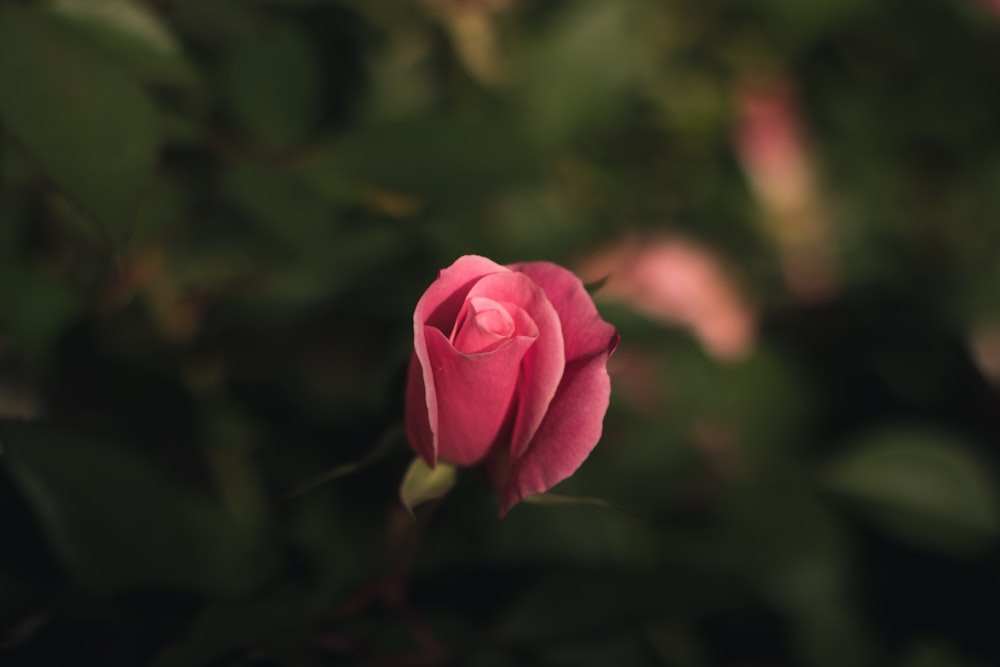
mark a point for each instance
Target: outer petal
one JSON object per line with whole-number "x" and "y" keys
{"x": 542, "y": 367}
{"x": 418, "y": 427}
{"x": 438, "y": 308}
{"x": 475, "y": 394}
{"x": 573, "y": 424}
{"x": 584, "y": 331}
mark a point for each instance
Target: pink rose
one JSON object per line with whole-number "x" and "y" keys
{"x": 508, "y": 370}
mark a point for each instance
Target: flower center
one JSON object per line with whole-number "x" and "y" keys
{"x": 491, "y": 317}
{"x": 482, "y": 325}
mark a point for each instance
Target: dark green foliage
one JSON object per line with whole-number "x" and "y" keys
{"x": 216, "y": 217}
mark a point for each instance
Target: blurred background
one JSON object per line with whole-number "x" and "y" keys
{"x": 216, "y": 217}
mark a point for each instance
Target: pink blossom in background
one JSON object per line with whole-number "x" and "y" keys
{"x": 770, "y": 142}
{"x": 769, "y": 138}
{"x": 680, "y": 282}
{"x": 508, "y": 371}
{"x": 984, "y": 345}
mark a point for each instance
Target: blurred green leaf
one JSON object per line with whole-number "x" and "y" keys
{"x": 575, "y": 605}
{"x": 34, "y": 308}
{"x": 439, "y": 157}
{"x": 923, "y": 487}
{"x": 556, "y": 499}
{"x": 805, "y": 22}
{"x": 119, "y": 524}
{"x": 386, "y": 444}
{"x": 928, "y": 653}
{"x": 322, "y": 159}
{"x": 273, "y": 83}
{"x": 674, "y": 644}
{"x": 581, "y": 534}
{"x": 792, "y": 547}
{"x": 580, "y": 69}
{"x": 134, "y": 33}
{"x": 88, "y": 124}
{"x": 319, "y": 273}
{"x": 314, "y": 530}
{"x": 421, "y": 483}
{"x": 220, "y": 633}
{"x": 280, "y": 202}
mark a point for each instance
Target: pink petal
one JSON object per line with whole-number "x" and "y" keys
{"x": 441, "y": 303}
{"x": 482, "y": 325}
{"x": 475, "y": 393}
{"x": 418, "y": 427}
{"x": 573, "y": 423}
{"x": 438, "y": 307}
{"x": 570, "y": 431}
{"x": 583, "y": 329}
{"x": 542, "y": 367}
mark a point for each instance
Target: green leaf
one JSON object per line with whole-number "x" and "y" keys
{"x": 380, "y": 450}
{"x": 278, "y": 201}
{"x": 434, "y": 156}
{"x": 273, "y": 83}
{"x": 87, "y": 123}
{"x": 421, "y": 483}
{"x": 922, "y": 487}
{"x": 556, "y": 499}
{"x": 790, "y": 546}
{"x": 930, "y": 653}
{"x": 219, "y": 633}
{"x": 131, "y": 31}
{"x": 119, "y": 524}
{"x": 34, "y": 308}
{"x": 579, "y": 70}
{"x": 576, "y": 604}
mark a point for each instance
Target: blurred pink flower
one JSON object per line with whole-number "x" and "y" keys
{"x": 771, "y": 145}
{"x": 984, "y": 344}
{"x": 679, "y": 282}
{"x": 769, "y": 138}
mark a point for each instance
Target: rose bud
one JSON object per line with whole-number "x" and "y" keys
{"x": 508, "y": 371}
